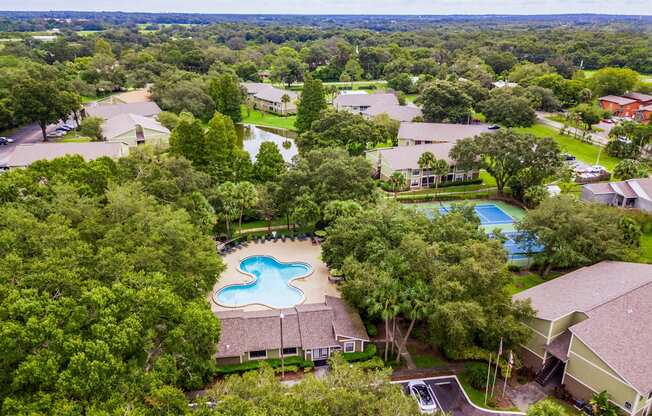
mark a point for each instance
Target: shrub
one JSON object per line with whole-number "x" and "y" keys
{"x": 371, "y": 328}
{"x": 375, "y": 363}
{"x": 290, "y": 362}
{"x": 91, "y": 127}
{"x": 476, "y": 374}
{"x": 368, "y": 353}
{"x": 514, "y": 268}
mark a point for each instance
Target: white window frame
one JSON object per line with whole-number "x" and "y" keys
{"x": 296, "y": 352}
{"x": 351, "y": 343}
{"x": 257, "y": 358}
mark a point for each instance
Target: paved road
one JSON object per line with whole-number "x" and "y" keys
{"x": 453, "y": 400}
{"x": 600, "y": 138}
{"x": 30, "y": 133}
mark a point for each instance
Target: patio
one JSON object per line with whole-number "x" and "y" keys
{"x": 315, "y": 287}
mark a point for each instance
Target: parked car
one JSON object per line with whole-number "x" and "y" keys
{"x": 6, "y": 140}
{"x": 494, "y": 127}
{"x": 55, "y": 134}
{"x": 608, "y": 121}
{"x": 423, "y": 395}
{"x": 568, "y": 157}
{"x": 64, "y": 128}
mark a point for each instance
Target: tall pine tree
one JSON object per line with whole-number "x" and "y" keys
{"x": 311, "y": 103}
{"x": 228, "y": 96}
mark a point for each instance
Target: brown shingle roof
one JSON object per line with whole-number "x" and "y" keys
{"x": 443, "y": 132}
{"x": 346, "y": 321}
{"x": 585, "y": 288}
{"x": 305, "y": 326}
{"x": 619, "y": 333}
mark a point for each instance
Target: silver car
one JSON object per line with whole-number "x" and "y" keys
{"x": 423, "y": 395}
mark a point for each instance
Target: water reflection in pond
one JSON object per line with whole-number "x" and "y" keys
{"x": 253, "y": 136}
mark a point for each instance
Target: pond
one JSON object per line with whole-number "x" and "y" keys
{"x": 253, "y": 136}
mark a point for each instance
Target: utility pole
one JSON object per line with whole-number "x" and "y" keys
{"x": 282, "y": 360}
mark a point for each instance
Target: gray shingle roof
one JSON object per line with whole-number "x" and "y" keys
{"x": 395, "y": 111}
{"x": 619, "y": 333}
{"x": 26, "y": 154}
{"x": 407, "y": 157}
{"x": 346, "y": 321}
{"x": 364, "y": 100}
{"x": 145, "y": 109}
{"x": 122, "y": 123}
{"x": 585, "y": 288}
{"x": 275, "y": 95}
{"x": 442, "y": 132}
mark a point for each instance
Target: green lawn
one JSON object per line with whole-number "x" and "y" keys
{"x": 584, "y": 152}
{"x": 475, "y": 395}
{"x": 259, "y": 118}
{"x": 645, "y": 250}
{"x": 523, "y": 282}
{"x": 425, "y": 361}
{"x": 261, "y": 224}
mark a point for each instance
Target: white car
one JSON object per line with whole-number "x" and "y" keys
{"x": 423, "y": 395}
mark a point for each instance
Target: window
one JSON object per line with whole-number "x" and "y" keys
{"x": 290, "y": 351}
{"x": 258, "y": 354}
{"x": 349, "y": 346}
{"x": 416, "y": 172}
{"x": 628, "y": 405}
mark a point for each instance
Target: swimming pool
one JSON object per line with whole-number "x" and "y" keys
{"x": 271, "y": 285}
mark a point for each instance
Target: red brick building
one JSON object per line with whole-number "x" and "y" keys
{"x": 644, "y": 114}
{"x": 619, "y": 106}
{"x": 643, "y": 99}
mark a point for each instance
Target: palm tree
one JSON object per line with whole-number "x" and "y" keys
{"x": 601, "y": 405}
{"x": 246, "y": 196}
{"x": 439, "y": 167}
{"x": 426, "y": 161}
{"x": 397, "y": 180}
{"x": 415, "y": 305}
{"x": 383, "y": 301}
{"x": 285, "y": 99}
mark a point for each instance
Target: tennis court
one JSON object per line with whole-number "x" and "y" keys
{"x": 489, "y": 214}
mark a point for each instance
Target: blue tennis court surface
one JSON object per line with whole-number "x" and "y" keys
{"x": 520, "y": 247}
{"x": 489, "y": 214}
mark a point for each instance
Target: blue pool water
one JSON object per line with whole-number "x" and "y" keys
{"x": 489, "y": 214}
{"x": 270, "y": 285}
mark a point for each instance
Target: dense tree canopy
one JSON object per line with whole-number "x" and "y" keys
{"x": 103, "y": 289}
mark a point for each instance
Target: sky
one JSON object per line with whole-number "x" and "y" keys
{"x": 632, "y": 7}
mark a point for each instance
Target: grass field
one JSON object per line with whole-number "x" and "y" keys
{"x": 523, "y": 282}
{"x": 425, "y": 360}
{"x": 590, "y": 72}
{"x": 584, "y": 152}
{"x": 645, "y": 250}
{"x": 259, "y": 118}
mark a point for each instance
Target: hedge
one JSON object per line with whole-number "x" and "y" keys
{"x": 444, "y": 197}
{"x": 352, "y": 357}
{"x": 290, "y": 362}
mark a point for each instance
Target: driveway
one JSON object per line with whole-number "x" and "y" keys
{"x": 453, "y": 399}
{"x": 30, "y": 133}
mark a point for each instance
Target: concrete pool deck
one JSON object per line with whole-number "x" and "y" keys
{"x": 315, "y": 287}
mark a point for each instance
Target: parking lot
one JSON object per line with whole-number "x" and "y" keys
{"x": 452, "y": 399}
